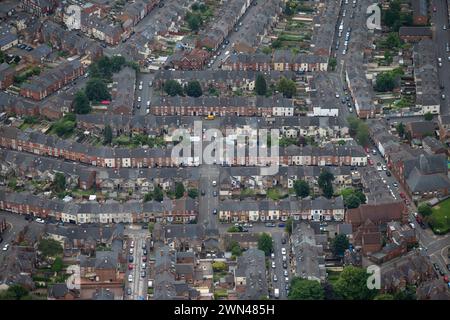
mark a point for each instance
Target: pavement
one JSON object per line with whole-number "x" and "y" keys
{"x": 277, "y": 236}
{"x": 441, "y": 37}
{"x": 208, "y": 202}
{"x": 235, "y": 35}
{"x": 139, "y": 284}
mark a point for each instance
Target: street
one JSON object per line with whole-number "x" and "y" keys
{"x": 208, "y": 202}
{"x": 279, "y": 271}
{"x": 439, "y": 19}
{"x": 146, "y": 94}
{"x": 138, "y": 284}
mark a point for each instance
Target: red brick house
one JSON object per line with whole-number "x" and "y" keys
{"x": 377, "y": 213}
{"x": 190, "y": 60}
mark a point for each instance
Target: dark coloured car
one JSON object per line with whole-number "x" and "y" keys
{"x": 130, "y": 259}
{"x": 129, "y": 291}
{"x": 144, "y": 252}
{"x": 283, "y": 240}
{"x": 203, "y": 192}
{"x": 284, "y": 265}
{"x": 388, "y": 173}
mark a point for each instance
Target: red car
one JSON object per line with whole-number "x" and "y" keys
{"x": 446, "y": 278}
{"x": 402, "y": 195}
{"x": 370, "y": 161}
{"x": 130, "y": 266}
{"x": 144, "y": 258}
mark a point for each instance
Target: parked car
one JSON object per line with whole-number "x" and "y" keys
{"x": 130, "y": 266}
{"x": 130, "y": 259}
{"x": 273, "y": 265}
{"x": 5, "y": 247}
{"x": 129, "y": 292}
{"x": 130, "y": 278}
{"x": 283, "y": 251}
{"x": 275, "y": 278}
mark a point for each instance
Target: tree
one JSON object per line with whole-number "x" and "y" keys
{"x": 57, "y": 265}
{"x": 107, "y": 134}
{"x": 194, "y": 89}
{"x": 179, "y": 190}
{"x": 233, "y": 229}
{"x": 289, "y": 225}
{"x": 287, "y": 87}
{"x": 428, "y": 116}
{"x": 193, "y": 193}
{"x": 116, "y": 63}
{"x": 301, "y": 188}
{"x": 96, "y": 90}
{"x": 151, "y": 227}
{"x": 194, "y": 20}
{"x": 353, "y": 124}
{"x": 401, "y": 129}
{"x": 425, "y": 209}
{"x": 236, "y": 250}
{"x": 260, "y": 85}
{"x": 50, "y": 247}
{"x": 265, "y": 243}
{"x": 384, "y": 296}
{"x": 219, "y": 266}
{"x": 408, "y": 293}
{"x": 386, "y": 81}
{"x": 339, "y": 244}
{"x": 332, "y": 63}
{"x": 59, "y": 183}
{"x": 14, "y": 292}
{"x": 362, "y": 135}
{"x": 173, "y": 88}
{"x": 81, "y": 103}
{"x": 158, "y": 194}
{"x": 148, "y": 197}
{"x": 352, "y": 201}
{"x": 276, "y": 44}
{"x": 302, "y": 289}
{"x": 352, "y": 285}
{"x": 325, "y": 183}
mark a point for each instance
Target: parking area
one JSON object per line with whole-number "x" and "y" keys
{"x": 143, "y": 93}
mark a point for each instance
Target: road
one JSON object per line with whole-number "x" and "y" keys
{"x": 145, "y": 94}
{"x": 279, "y": 271}
{"x": 208, "y": 202}
{"x": 235, "y": 35}
{"x": 441, "y": 37}
{"x": 139, "y": 284}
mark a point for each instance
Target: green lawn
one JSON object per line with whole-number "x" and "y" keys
{"x": 440, "y": 218}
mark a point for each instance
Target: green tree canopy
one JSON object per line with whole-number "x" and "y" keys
{"x": 425, "y": 209}
{"x": 260, "y": 85}
{"x": 179, "y": 190}
{"x": 332, "y": 63}
{"x": 81, "y": 103}
{"x": 15, "y": 292}
{"x": 194, "y": 89}
{"x": 50, "y": 247}
{"x": 193, "y": 193}
{"x": 96, "y": 90}
{"x": 325, "y": 183}
{"x": 287, "y": 87}
{"x": 401, "y": 129}
{"x": 265, "y": 243}
{"x": 384, "y": 296}
{"x": 219, "y": 266}
{"x": 151, "y": 226}
{"x": 352, "y": 285}
{"x": 289, "y": 225}
{"x": 302, "y": 289}
{"x": 57, "y": 265}
{"x": 158, "y": 194}
{"x": 173, "y": 88}
{"x": 339, "y": 244}
{"x": 59, "y": 184}
{"x": 301, "y": 188}
{"x": 107, "y": 134}
{"x": 428, "y": 116}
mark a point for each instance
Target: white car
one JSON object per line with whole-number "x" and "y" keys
{"x": 148, "y": 103}
{"x": 5, "y": 247}
{"x": 273, "y": 265}
{"x": 139, "y": 99}
{"x": 130, "y": 278}
{"x": 131, "y": 251}
{"x": 275, "y": 278}
{"x": 144, "y": 266}
{"x": 39, "y": 220}
{"x": 286, "y": 273}
{"x": 337, "y": 95}
{"x": 286, "y": 279}
{"x": 150, "y": 83}
{"x": 140, "y": 87}
{"x": 384, "y": 168}
{"x": 132, "y": 244}
{"x": 272, "y": 255}
{"x": 284, "y": 258}
{"x": 283, "y": 251}
{"x": 344, "y": 52}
